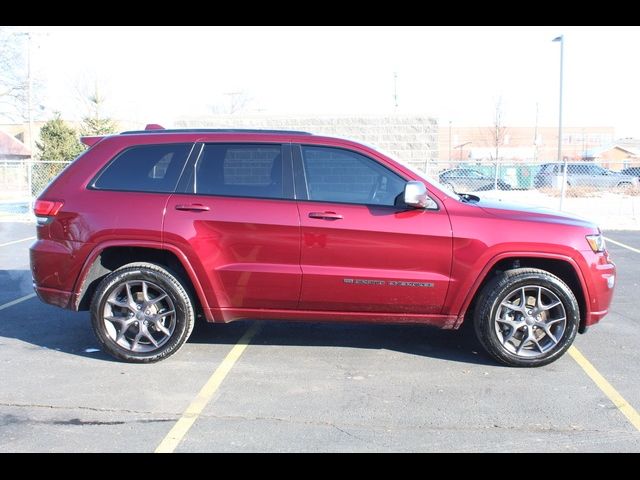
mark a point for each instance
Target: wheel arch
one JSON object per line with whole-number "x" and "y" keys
{"x": 109, "y": 256}
{"x": 561, "y": 266}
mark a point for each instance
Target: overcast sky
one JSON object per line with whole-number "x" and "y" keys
{"x": 456, "y": 74}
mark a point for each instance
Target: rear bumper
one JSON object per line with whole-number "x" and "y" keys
{"x": 54, "y": 269}
{"x": 59, "y": 298}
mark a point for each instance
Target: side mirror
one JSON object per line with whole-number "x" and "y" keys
{"x": 415, "y": 195}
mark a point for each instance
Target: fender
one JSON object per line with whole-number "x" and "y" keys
{"x": 501, "y": 256}
{"x": 182, "y": 258}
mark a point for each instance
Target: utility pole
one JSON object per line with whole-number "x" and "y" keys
{"x": 395, "y": 89}
{"x": 449, "y": 141}
{"x": 29, "y": 118}
{"x": 535, "y": 137}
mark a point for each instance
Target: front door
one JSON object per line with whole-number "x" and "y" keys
{"x": 238, "y": 222}
{"x": 360, "y": 252}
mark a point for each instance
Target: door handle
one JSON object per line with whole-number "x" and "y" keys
{"x": 193, "y": 207}
{"x": 326, "y": 215}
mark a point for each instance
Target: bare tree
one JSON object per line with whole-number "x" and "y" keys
{"x": 237, "y": 102}
{"x": 20, "y": 86}
{"x": 497, "y": 134}
{"x": 96, "y": 122}
{"x": 13, "y": 74}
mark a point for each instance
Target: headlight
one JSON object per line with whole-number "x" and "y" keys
{"x": 596, "y": 242}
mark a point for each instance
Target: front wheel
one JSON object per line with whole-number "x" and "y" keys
{"x": 141, "y": 313}
{"x": 526, "y": 317}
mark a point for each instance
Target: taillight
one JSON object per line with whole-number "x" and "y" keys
{"x": 45, "y": 209}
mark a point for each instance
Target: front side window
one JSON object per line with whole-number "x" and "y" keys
{"x": 343, "y": 176}
{"x": 240, "y": 170}
{"x": 145, "y": 168}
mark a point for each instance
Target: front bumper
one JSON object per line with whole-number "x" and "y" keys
{"x": 600, "y": 284}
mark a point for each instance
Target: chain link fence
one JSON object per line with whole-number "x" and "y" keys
{"x": 611, "y": 198}
{"x": 22, "y": 181}
{"x": 587, "y": 189}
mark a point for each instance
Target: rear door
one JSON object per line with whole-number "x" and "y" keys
{"x": 130, "y": 192}
{"x": 359, "y": 251}
{"x": 238, "y": 222}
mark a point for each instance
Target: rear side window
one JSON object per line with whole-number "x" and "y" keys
{"x": 241, "y": 170}
{"x": 145, "y": 168}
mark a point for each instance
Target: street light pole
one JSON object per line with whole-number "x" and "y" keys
{"x": 563, "y": 187}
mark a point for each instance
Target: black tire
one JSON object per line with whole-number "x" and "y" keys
{"x": 624, "y": 185}
{"x": 492, "y": 333}
{"x": 158, "y": 279}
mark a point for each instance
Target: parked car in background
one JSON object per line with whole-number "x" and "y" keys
{"x": 633, "y": 171}
{"x": 469, "y": 180}
{"x": 583, "y": 175}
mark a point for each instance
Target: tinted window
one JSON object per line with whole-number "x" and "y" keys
{"x": 336, "y": 175}
{"x": 145, "y": 168}
{"x": 240, "y": 171}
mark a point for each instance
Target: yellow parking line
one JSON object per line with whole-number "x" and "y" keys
{"x": 182, "y": 426}
{"x": 17, "y": 241}
{"x": 16, "y": 301}
{"x": 620, "y": 244}
{"x": 613, "y": 395}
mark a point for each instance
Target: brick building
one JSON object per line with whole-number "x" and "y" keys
{"x": 519, "y": 144}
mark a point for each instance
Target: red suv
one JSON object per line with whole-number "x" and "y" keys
{"x": 149, "y": 229}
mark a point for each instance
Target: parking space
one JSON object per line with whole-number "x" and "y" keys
{"x": 309, "y": 387}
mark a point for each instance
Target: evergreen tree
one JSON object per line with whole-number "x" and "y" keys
{"x": 58, "y": 141}
{"x": 58, "y": 145}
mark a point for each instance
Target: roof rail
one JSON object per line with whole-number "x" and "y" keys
{"x": 153, "y": 128}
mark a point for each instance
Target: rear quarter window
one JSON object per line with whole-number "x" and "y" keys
{"x": 145, "y": 168}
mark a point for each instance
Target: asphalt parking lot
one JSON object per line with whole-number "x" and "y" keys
{"x": 309, "y": 387}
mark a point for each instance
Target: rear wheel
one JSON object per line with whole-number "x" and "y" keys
{"x": 526, "y": 317}
{"x": 141, "y": 313}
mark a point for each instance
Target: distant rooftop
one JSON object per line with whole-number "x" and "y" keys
{"x": 10, "y": 147}
{"x": 628, "y": 144}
